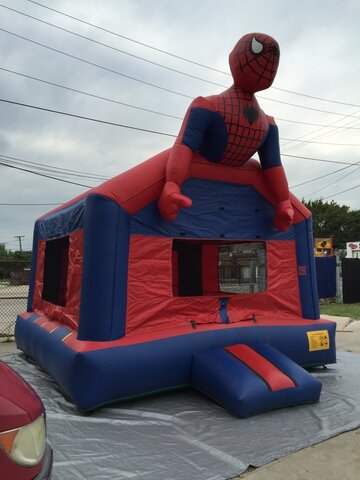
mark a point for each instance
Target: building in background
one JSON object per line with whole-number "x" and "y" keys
{"x": 353, "y": 250}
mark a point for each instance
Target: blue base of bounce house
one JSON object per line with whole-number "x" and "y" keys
{"x": 211, "y": 361}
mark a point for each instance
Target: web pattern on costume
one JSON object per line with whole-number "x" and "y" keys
{"x": 246, "y": 125}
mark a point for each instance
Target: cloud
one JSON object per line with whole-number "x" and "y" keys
{"x": 318, "y": 58}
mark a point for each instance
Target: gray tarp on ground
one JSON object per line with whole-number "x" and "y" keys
{"x": 184, "y": 435}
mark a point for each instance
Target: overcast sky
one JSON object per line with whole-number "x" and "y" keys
{"x": 318, "y": 40}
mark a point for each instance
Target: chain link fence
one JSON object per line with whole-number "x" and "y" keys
{"x": 14, "y": 288}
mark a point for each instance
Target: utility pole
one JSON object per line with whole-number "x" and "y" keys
{"x": 19, "y": 237}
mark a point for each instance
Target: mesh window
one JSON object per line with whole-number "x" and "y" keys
{"x": 208, "y": 267}
{"x": 55, "y": 271}
{"x": 242, "y": 267}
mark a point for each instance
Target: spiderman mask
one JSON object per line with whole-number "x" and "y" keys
{"x": 254, "y": 62}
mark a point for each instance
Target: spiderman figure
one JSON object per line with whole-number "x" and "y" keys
{"x": 230, "y": 127}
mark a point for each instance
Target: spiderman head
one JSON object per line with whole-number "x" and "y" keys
{"x": 254, "y": 62}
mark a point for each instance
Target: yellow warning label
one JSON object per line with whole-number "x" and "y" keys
{"x": 318, "y": 340}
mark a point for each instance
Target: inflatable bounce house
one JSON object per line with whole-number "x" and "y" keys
{"x": 194, "y": 268}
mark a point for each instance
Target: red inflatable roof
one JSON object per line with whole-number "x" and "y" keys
{"x": 137, "y": 187}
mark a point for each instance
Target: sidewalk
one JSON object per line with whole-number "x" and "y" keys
{"x": 334, "y": 459}
{"x": 7, "y": 347}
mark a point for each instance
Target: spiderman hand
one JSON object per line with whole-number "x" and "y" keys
{"x": 284, "y": 215}
{"x": 171, "y": 201}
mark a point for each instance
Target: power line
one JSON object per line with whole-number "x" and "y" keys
{"x": 140, "y": 58}
{"x": 52, "y": 169}
{"x": 93, "y": 64}
{"x": 99, "y": 97}
{"x": 314, "y": 124}
{"x": 304, "y": 107}
{"x": 59, "y": 170}
{"x": 350, "y": 124}
{"x": 146, "y": 130}
{"x": 324, "y": 176}
{"x": 343, "y": 191}
{"x": 128, "y": 38}
{"x": 97, "y": 42}
{"x": 314, "y": 97}
{"x": 332, "y": 183}
{"x": 29, "y": 204}
{"x": 317, "y": 159}
{"x": 193, "y": 62}
{"x": 82, "y": 92}
{"x": 85, "y": 118}
{"x": 322, "y": 143}
{"x": 152, "y": 84}
{"x": 299, "y": 139}
{"x": 88, "y": 186}
{"x": 59, "y": 112}
{"x": 43, "y": 175}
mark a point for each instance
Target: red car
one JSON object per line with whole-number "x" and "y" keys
{"x": 24, "y": 452}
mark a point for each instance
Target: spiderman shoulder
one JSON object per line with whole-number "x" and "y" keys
{"x": 206, "y": 103}
{"x": 270, "y": 120}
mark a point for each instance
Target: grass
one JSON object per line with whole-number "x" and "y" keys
{"x": 351, "y": 310}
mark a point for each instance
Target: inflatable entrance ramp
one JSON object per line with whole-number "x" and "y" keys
{"x": 250, "y": 378}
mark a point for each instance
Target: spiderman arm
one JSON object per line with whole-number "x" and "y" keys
{"x": 189, "y": 140}
{"x": 274, "y": 173}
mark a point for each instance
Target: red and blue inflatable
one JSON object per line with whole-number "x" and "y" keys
{"x": 194, "y": 268}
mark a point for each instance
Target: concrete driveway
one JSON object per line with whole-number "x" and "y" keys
{"x": 335, "y": 459}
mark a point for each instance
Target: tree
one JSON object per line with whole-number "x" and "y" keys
{"x": 336, "y": 221}
{"x": 17, "y": 255}
{"x": 23, "y": 255}
{"x": 353, "y": 227}
{"x": 3, "y": 252}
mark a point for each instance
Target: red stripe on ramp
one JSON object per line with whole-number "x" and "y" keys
{"x": 275, "y": 378}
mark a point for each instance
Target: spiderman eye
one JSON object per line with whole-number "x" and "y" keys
{"x": 256, "y": 46}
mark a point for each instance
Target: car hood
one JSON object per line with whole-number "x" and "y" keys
{"x": 19, "y": 404}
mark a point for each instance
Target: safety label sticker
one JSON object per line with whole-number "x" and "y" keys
{"x": 318, "y": 340}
